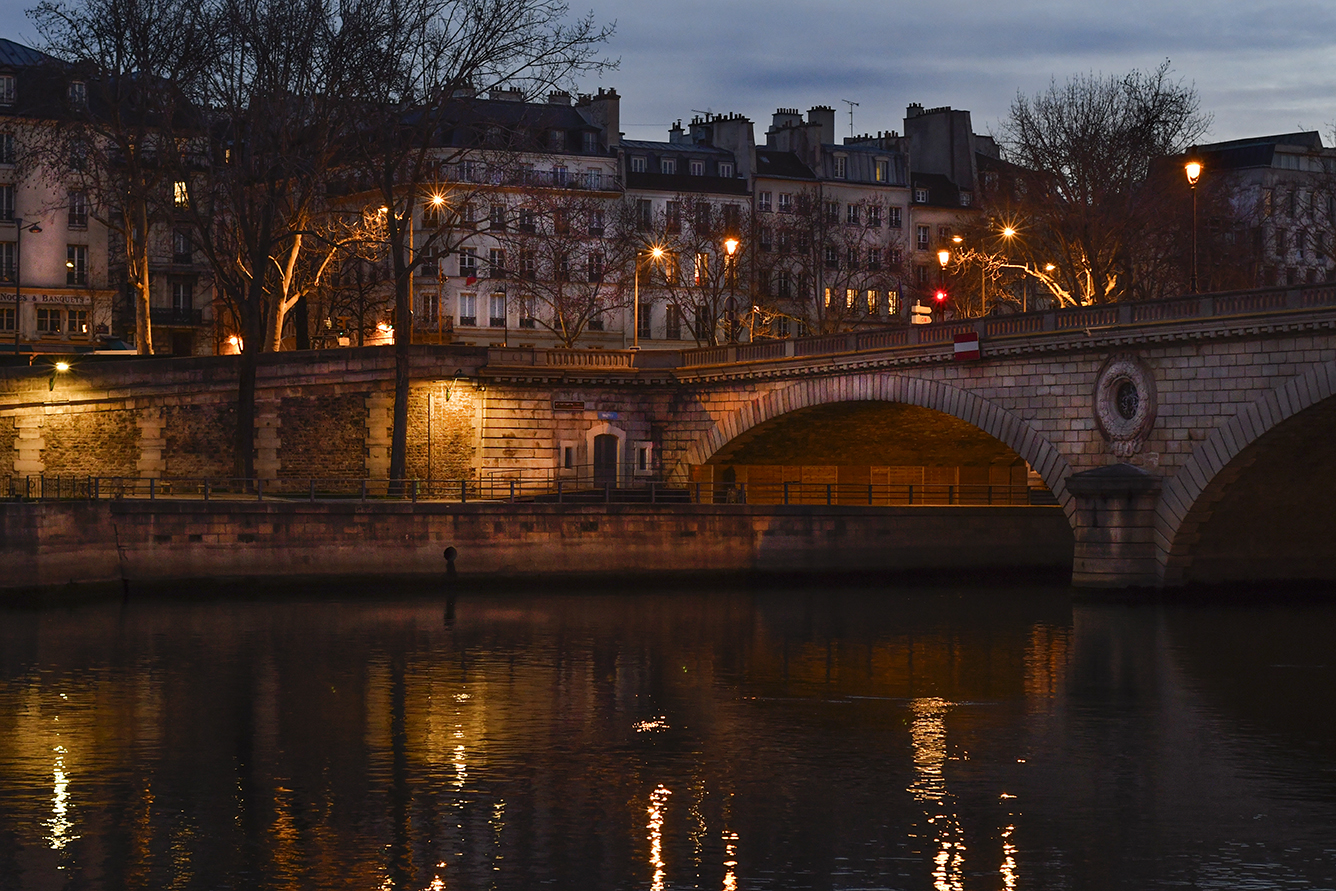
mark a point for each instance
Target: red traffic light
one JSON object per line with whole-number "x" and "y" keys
{"x": 940, "y": 296}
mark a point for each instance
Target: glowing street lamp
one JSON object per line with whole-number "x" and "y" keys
{"x": 731, "y": 276}
{"x": 1193, "y": 169}
{"x": 61, "y": 367}
{"x": 655, "y": 253}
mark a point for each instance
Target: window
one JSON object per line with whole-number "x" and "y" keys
{"x": 672, "y": 217}
{"x": 645, "y": 320}
{"x": 832, "y": 257}
{"x": 874, "y": 216}
{"x": 1268, "y": 201}
{"x": 180, "y": 195}
{"x": 527, "y": 220}
{"x": 765, "y": 238}
{"x": 528, "y": 266}
{"x": 943, "y": 234}
{"x": 851, "y": 257}
{"x": 7, "y": 204}
{"x": 431, "y": 308}
{"x": 725, "y": 169}
{"x": 556, "y": 140}
{"x": 921, "y": 275}
{"x": 7, "y": 319}
{"x": 48, "y": 320}
{"x": 1300, "y": 243}
{"x": 920, "y": 196}
{"x": 468, "y": 262}
{"x": 1282, "y": 237}
{"x": 841, "y": 167}
{"x": 469, "y": 170}
{"x": 468, "y": 309}
{"x": 181, "y": 247}
{"x": 871, "y": 303}
{"x": 644, "y": 214}
{"x": 784, "y": 284}
{"x": 732, "y": 219}
{"x": 894, "y": 216}
{"x": 851, "y": 215}
{"x": 702, "y": 217}
{"x": 431, "y": 214}
{"x": 832, "y": 212}
{"x": 667, "y": 165}
{"x": 882, "y": 170}
{"x": 697, "y": 168}
{"x": 563, "y": 268}
{"x": 637, "y": 163}
{"x": 78, "y": 94}
{"x": 496, "y": 218}
{"x": 785, "y": 202}
{"x": 561, "y": 221}
{"x": 78, "y": 207}
{"x": 596, "y": 224}
{"x": 560, "y": 176}
{"x": 6, "y": 261}
{"x": 595, "y": 324}
{"x": 496, "y": 310}
{"x": 827, "y": 297}
{"x": 8, "y": 155}
{"x": 966, "y": 199}
{"x": 496, "y": 263}
{"x": 924, "y": 238}
{"x": 183, "y": 298}
{"x": 593, "y": 178}
{"x": 428, "y": 265}
{"x": 7, "y": 91}
{"x": 895, "y": 257}
{"x": 893, "y": 302}
{"x": 702, "y": 268}
{"x": 594, "y": 266}
{"x": 589, "y": 142}
{"x": 528, "y": 310}
{"x": 673, "y": 323}
{"x": 763, "y": 201}
{"x": 76, "y": 265}
{"x": 873, "y": 258}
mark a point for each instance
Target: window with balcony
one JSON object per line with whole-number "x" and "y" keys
{"x": 496, "y": 310}
{"x": 468, "y": 309}
{"x": 528, "y": 309}
{"x": 76, "y": 264}
{"x": 593, "y": 178}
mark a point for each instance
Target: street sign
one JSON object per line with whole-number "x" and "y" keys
{"x": 967, "y": 346}
{"x": 922, "y": 314}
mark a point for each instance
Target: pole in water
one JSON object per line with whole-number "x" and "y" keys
{"x": 450, "y": 576}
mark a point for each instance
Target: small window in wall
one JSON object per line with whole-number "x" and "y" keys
{"x": 644, "y": 458}
{"x": 920, "y": 196}
{"x": 567, "y": 456}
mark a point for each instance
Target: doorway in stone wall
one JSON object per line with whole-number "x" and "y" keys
{"x": 605, "y": 460}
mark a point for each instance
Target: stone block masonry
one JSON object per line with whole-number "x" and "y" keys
{"x": 59, "y": 543}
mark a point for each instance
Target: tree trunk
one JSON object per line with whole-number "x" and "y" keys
{"x": 403, "y": 340}
{"x": 136, "y": 250}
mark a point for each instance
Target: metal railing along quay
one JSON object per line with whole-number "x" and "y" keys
{"x": 515, "y": 490}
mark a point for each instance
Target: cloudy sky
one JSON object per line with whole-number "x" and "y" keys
{"x": 1261, "y": 66}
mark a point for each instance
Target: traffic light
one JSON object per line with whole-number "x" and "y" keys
{"x": 940, "y": 296}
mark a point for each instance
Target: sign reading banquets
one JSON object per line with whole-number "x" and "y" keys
{"x": 59, "y": 299}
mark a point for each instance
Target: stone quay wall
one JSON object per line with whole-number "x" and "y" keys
{"x": 55, "y": 544}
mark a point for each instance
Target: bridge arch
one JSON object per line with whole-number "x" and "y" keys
{"x": 1198, "y": 488}
{"x": 872, "y": 386}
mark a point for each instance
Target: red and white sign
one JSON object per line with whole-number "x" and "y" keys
{"x": 967, "y": 346}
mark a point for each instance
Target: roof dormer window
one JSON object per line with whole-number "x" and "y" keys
{"x": 8, "y": 93}
{"x": 78, "y": 93}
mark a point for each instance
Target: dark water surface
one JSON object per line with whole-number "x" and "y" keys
{"x": 698, "y": 738}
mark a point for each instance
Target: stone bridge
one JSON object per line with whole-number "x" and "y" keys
{"x": 1185, "y": 440}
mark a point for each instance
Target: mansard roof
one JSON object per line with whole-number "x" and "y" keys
{"x": 771, "y": 162}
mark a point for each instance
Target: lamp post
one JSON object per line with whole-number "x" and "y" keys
{"x": 19, "y": 228}
{"x": 730, "y": 278}
{"x": 1193, "y": 170}
{"x": 654, "y": 253}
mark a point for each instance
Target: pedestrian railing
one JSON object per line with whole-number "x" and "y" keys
{"x": 515, "y": 489}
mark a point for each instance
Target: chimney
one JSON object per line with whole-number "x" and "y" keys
{"x": 559, "y": 97}
{"x": 506, "y": 94}
{"x": 824, "y": 117}
{"x": 603, "y": 110}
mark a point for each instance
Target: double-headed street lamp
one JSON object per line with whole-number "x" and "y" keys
{"x": 654, "y": 253}
{"x": 1193, "y": 169}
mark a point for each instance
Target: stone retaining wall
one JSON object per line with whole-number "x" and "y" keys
{"x": 54, "y": 544}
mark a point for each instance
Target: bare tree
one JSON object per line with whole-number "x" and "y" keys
{"x": 820, "y": 260}
{"x": 140, "y": 64}
{"x": 1084, "y": 152}
{"x": 414, "y": 61}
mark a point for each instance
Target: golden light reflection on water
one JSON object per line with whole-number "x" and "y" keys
{"x": 658, "y": 802}
{"x": 928, "y": 736}
{"x": 730, "y": 860}
{"x": 1008, "y": 859}
{"x": 60, "y": 824}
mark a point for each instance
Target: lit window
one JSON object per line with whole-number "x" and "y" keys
{"x": 702, "y": 268}
{"x": 850, "y": 298}
{"x": 872, "y": 303}
{"x": 76, "y": 266}
{"x": 883, "y": 170}
{"x": 180, "y": 195}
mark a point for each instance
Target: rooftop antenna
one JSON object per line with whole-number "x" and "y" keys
{"x": 852, "y": 106}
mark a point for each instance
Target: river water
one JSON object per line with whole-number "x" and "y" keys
{"x": 718, "y": 737}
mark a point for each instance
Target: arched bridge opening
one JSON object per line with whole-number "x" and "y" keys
{"x": 870, "y": 452}
{"x": 1270, "y": 512}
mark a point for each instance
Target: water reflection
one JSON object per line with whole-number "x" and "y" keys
{"x": 938, "y": 739}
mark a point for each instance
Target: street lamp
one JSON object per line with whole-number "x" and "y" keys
{"x": 19, "y": 229}
{"x": 1193, "y": 170}
{"x": 59, "y": 368}
{"x": 730, "y": 276}
{"x": 654, "y": 253}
